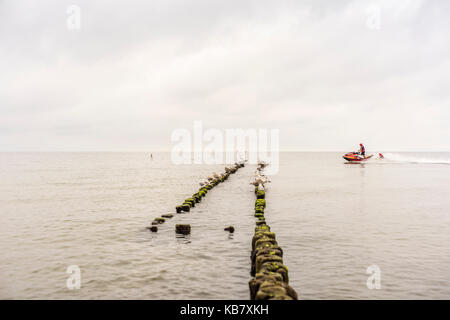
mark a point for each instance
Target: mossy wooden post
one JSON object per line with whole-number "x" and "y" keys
{"x": 159, "y": 220}
{"x": 260, "y": 194}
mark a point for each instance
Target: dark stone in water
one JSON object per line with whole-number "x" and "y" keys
{"x": 230, "y": 229}
{"x": 153, "y": 228}
{"x": 169, "y": 215}
{"x": 183, "y": 228}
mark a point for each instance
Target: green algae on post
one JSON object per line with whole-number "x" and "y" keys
{"x": 260, "y": 194}
{"x": 158, "y": 221}
{"x": 260, "y": 203}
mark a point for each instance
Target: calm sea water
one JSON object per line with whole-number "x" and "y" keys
{"x": 332, "y": 219}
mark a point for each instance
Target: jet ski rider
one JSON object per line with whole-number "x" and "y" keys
{"x": 362, "y": 150}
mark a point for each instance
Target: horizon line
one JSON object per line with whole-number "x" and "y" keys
{"x": 168, "y": 151}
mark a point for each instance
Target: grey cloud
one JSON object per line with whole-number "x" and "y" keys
{"x": 137, "y": 70}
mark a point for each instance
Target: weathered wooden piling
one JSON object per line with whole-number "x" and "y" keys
{"x": 260, "y": 194}
{"x": 183, "y": 229}
{"x": 229, "y": 229}
{"x": 270, "y": 276}
{"x": 158, "y": 221}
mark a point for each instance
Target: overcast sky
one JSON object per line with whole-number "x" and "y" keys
{"x": 328, "y": 74}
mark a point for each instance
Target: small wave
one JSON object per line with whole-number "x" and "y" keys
{"x": 408, "y": 158}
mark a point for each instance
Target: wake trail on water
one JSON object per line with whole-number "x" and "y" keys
{"x": 403, "y": 158}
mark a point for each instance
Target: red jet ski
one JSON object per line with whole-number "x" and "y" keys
{"x": 355, "y": 157}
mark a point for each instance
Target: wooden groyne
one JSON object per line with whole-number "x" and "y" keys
{"x": 189, "y": 203}
{"x": 270, "y": 276}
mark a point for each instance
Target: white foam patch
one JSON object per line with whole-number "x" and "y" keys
{"x": 408, "y": 158}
